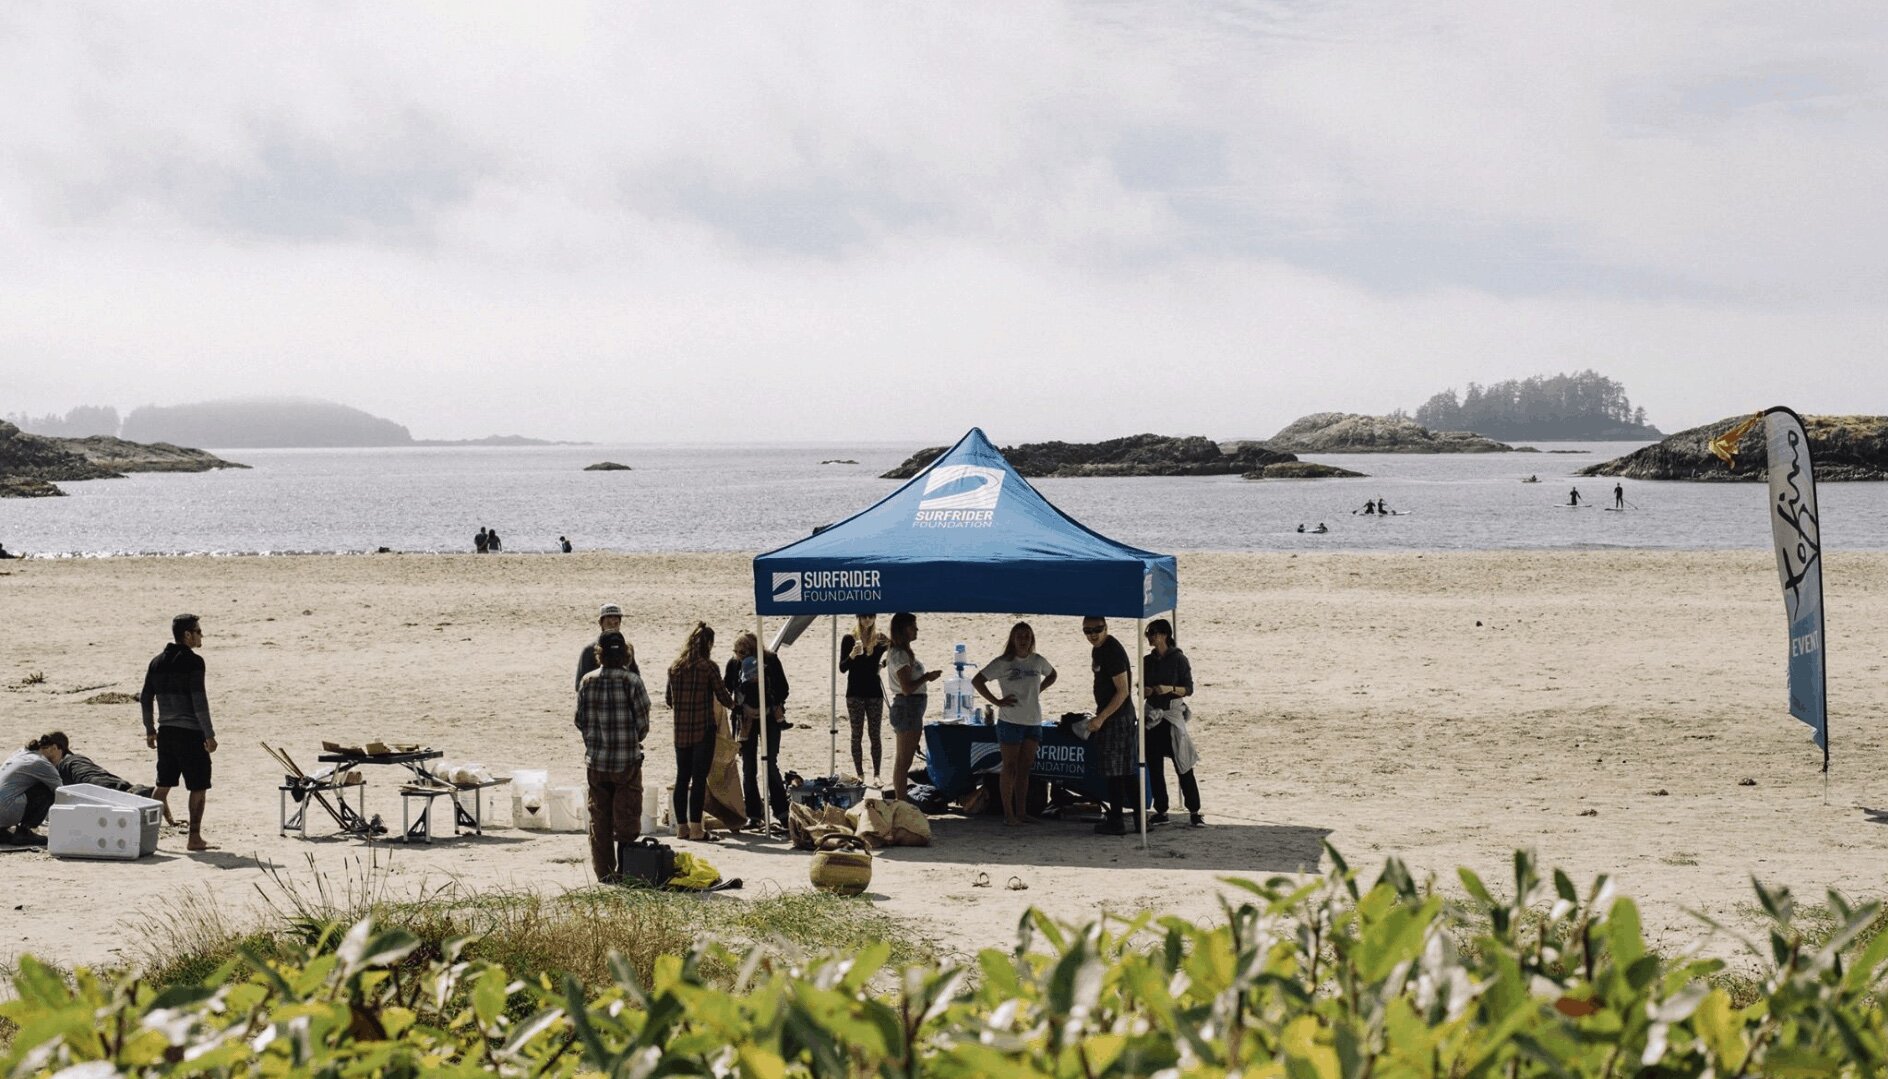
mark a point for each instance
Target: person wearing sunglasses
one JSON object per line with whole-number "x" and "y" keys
{"x": 1111, "y": 732}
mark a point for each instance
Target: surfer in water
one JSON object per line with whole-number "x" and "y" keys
{"x": 1619, "y": 496}
{"x": 1320, "y": 530}
{"x": 1370, "y": 507}
{"x": 1301, "y": 526}
{"x": 1573, "y": 499}
{"x": 1383, "y": 510}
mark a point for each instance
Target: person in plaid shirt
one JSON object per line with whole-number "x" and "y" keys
{"x": 613, "y": 716}
{"x": 694, "y": 687}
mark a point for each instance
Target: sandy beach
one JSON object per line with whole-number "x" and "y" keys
{"x": 1603, "y": 708}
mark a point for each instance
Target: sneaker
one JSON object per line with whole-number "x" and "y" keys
{"x": 1197, "y": 821}
{"x": 1158, "y": 818}
{"x": 1111, "y": 827}
{"x": 21, "y": 837}
{"x": 754, "y": 824}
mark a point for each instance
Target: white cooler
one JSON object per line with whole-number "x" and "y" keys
{"x": 150, "y": 810}
{"x": 93, "y": 831}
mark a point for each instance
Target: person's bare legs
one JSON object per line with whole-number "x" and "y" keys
{"x": 1026, "y": 759}
{"x": 907, "y": 748}
{"x": 197, "y": 798}
{"x": 1006, "y": 784}
{"x": 162, "y": 794}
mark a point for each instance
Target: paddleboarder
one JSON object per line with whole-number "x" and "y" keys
{"x": 1619, "y": 496}
{"x": 1573, "y": 499}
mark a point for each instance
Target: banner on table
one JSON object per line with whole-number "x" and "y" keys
{"x": 1796, "y": 531}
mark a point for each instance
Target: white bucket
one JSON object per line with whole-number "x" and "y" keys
{"x": 568, "y": 810}
{"x": 529, "y": 802}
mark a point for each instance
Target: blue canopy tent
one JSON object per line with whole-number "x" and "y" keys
{"x": 967, "y": 535}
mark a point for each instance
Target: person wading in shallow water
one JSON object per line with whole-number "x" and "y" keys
{"x": 1573, "y": 497}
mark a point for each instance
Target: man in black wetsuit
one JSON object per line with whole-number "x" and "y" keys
{"x": 1619, "y": 496}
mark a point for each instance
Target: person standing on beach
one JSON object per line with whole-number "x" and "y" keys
{"x": 1111, "y": 732}
{"x": 909, "y": 679}
{"x": 613, "y": 717}
{"x": 1619, "y": 496}
{"x": 481, "y": 542}
{"x": 860, "y": 655}
{"x": 177, "y": 721}
{"x": 491, "y": 541}
{"x": 563, "y": 544}
{"x": 609, "y": 620}
{"x": 694, "y": 687}
{"x": 1023, "y": 674}
{"x": 1166, "y": 680}
{"x": 27, "y": 782}
{"x": 743, "y": 680}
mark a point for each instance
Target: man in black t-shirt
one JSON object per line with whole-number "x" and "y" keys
{"x": 1111, "y": 732}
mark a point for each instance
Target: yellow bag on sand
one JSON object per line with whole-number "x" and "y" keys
{"x": 909, "y": 826}
{"x": 693, "y": 873}
{"x": 725, "y": 803}
{"x": 872, "y": 822}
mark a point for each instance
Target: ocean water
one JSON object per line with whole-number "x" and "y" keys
{"x": 755, "y": 497}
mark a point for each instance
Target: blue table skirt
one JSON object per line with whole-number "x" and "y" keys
{"x": 957, "y": 753}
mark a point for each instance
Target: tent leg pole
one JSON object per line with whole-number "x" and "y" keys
{"x": 766, "y": 723}
{"x": 832, "y": 759}
{"x": 1136, "y": 681}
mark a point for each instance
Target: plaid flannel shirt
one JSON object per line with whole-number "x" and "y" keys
{"x": 693, "y": 688}
{"x": 613, "y": 715}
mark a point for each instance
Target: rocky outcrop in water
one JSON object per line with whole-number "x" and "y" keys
{"x": 31, "y": 464}
{"x": 607, "y": 466}
{"x": 1301, "y": 470}
{"x": 1136, "y": 455}
{"x": 1842, "y": 447}
{"x": 1348, "y": 432}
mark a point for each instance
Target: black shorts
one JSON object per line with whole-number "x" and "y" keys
{"x": 180, "y": 753}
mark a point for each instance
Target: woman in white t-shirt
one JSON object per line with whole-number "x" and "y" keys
{"x": 1022, "y": 675}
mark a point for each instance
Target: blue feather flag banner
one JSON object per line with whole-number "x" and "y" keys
{"x": 1796, "y": 530}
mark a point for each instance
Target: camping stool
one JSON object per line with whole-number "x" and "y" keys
{"x": 473, "y": 820}
{"x": 419, "y": 830}
{"x": 303, "y": 791}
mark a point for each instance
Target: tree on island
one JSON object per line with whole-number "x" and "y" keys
{"x": 82, "y": 422}
{"x": 1584, "y": 405}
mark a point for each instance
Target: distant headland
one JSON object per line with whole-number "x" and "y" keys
{"x": 1142, "y": 455}
{"x": 31, "y": 466}
{"x": 1842, "y": 448}
{"x": 250, "y": 423}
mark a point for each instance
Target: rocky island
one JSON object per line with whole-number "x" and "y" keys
{"x": 607, "y": 466}
{"x": 31, "y": 465}
{"x": 1348, "y": 432}
{"x": 1842, "y": 447}
{"x": 1136, "y": 455}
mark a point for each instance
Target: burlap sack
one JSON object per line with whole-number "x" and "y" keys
{"x": 910, "y": 827}
{"x": 726, "y": 804}
{"x": 872, "y": 822}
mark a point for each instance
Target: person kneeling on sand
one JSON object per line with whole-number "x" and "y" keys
{"x": 27, "y": 782}
{"x": 613, "y": 716}
{"x": 177, "y": 721}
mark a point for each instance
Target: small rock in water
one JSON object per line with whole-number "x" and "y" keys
{"x": 1589, "y": 812}
{"x": 607, "y": 466}
{"x": 1661, "y": 793}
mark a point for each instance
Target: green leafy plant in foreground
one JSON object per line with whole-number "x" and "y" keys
{"x": 1314, "y": 978}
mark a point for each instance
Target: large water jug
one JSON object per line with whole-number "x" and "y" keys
{"x": 960, "y": 695}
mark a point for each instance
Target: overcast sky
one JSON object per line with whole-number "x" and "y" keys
{"x": 891, "y": 221}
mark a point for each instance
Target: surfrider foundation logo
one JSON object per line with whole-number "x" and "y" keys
{"x": 960, "y": 496}
{"x": 787, "y": 587}
{"x": 859, "y": 587}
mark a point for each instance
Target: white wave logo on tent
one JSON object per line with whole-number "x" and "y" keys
{"x": 787, "y": 587}
{"x": 969, "y": 499}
